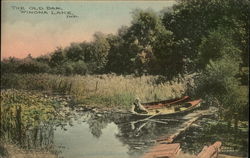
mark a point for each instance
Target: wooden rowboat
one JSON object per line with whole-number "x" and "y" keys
{"x": 164, "y": 103}
{"x": 173, "y": 108}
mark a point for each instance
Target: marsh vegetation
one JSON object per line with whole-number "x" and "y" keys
{"x": 99, "y": 90}
{"x": 196, "y": 48}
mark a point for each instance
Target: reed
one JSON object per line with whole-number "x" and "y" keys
{"x": 102, "y": 90}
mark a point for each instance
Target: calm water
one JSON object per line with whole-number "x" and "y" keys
{"x": 114, "y": 135}
{"x": 99, "y": 136}
{"x": 78, "y": 142}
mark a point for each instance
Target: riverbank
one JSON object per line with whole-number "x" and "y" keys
{"x": 110, "y": 91}
{"x": 43, "y": 133}
{"x": 32, "y": 106}
{"x": 92, "y": 128}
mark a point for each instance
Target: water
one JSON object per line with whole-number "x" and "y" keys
{"x": 110, "y": 135}
{"x": 78, "y": 142}
{"x": 90, "y": 135}
{"x": 106, "y": 136}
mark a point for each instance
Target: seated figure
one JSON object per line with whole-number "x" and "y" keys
{"x": 138, "y": 108}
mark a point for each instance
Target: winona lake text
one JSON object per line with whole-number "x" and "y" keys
{"x": 44, "y": 11}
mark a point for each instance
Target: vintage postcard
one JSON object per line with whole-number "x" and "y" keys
{"x": 124, "y": 79}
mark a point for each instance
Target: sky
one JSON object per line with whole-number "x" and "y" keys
{"x": 38, "y": 28}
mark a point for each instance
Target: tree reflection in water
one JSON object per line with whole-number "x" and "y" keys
{"x": 138, "y": 135}
{"x": 141, "y": 135}
{"x": 97, "y": 123}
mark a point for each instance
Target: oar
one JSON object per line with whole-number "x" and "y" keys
{"x": 152, "y": 120}
{"x": 146, "y": 119}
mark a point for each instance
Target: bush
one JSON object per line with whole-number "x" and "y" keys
{"x": 220, "y": 80}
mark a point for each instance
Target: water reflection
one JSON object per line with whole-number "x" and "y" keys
{"x": 91, "y": 135}
{"x": 136, "y": 134}
{"x": 97, "y": 123}
{"x": 78, "y": 142}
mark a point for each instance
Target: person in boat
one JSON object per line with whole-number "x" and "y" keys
{"x": 138, "y": 108}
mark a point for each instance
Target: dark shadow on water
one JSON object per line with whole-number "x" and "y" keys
{"x": 135, "y": 135}
{"x": 207, "y": 131}
{"x": 138, "y": 134}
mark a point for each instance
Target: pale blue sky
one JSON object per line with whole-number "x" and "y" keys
{"x": 40, "y": 34}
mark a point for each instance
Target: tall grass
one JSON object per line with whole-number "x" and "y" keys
{"x": 108, "y": 90}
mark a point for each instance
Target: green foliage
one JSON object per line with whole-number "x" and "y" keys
{"x": 9, "y": 65}
{"x": 123, "y": 52}
{"x": 112, "y": 90}
{"x": 145, "y": 27}
{"x": 24, "y": 109}
{"x": 123, "y": 100}
{"x": 169, "y": 55}
{"x": 219, "y": 80}
{"x": 75, "y": 52}
{"x": 205, "y": 37}
{"x": 195, "y": 20}
{"x": 33, "y": 67}
{"x": 80, "y": 68}
{"x": 27, "y": 118}
{"x": 26, "y": 65}
{"x": 99, "y": 51}
{"x": 58, "y": 57}
{"x": 44, "y": 82}
{"x": 175, "y": 41}
{"x": 72, "y": 68}
{"x": 219, "y": 43}
{"x": 216, "y": 35}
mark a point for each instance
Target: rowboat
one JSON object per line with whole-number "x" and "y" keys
{"x": 169, "y": 108}
{"x": 164, "y": 103}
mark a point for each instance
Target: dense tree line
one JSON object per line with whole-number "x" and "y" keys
{"x": 175, "y": 41}
{"x": 207, "y": 37}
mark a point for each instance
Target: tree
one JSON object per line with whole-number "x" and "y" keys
{"x": 43, "y": 59}
{"x": 99, "y": 51}
{"x": 74, "y": 52}
{"x": 10, "y": 65}
{"x": 214, "y": 46}
{"x": 220, "y": 79}
{"x": 72, "y": 68}
{"x": 170, "y": 55}
{"x": 58, "y": 57}
{"x": 145, "y": 29}
{"x": 195, "y": 19}
{"x": 219, "y": 82}
{"x": 32, "y": 66}
{"x": 123, "y": 52}
{"x": 80, "y": 67}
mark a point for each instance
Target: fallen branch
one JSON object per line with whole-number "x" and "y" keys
{"x": 186, "y": 125}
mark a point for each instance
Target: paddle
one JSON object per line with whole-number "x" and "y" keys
{"x": 146, "y": 119}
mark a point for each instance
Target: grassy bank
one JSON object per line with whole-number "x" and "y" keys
{"x": 27, "y": 121}
{"x": 98, "y": 90}
{"x": 20, "y": 110}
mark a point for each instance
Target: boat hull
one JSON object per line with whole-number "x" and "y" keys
{"x": 164, "y": 103}
{"x": 194, "y": 106}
